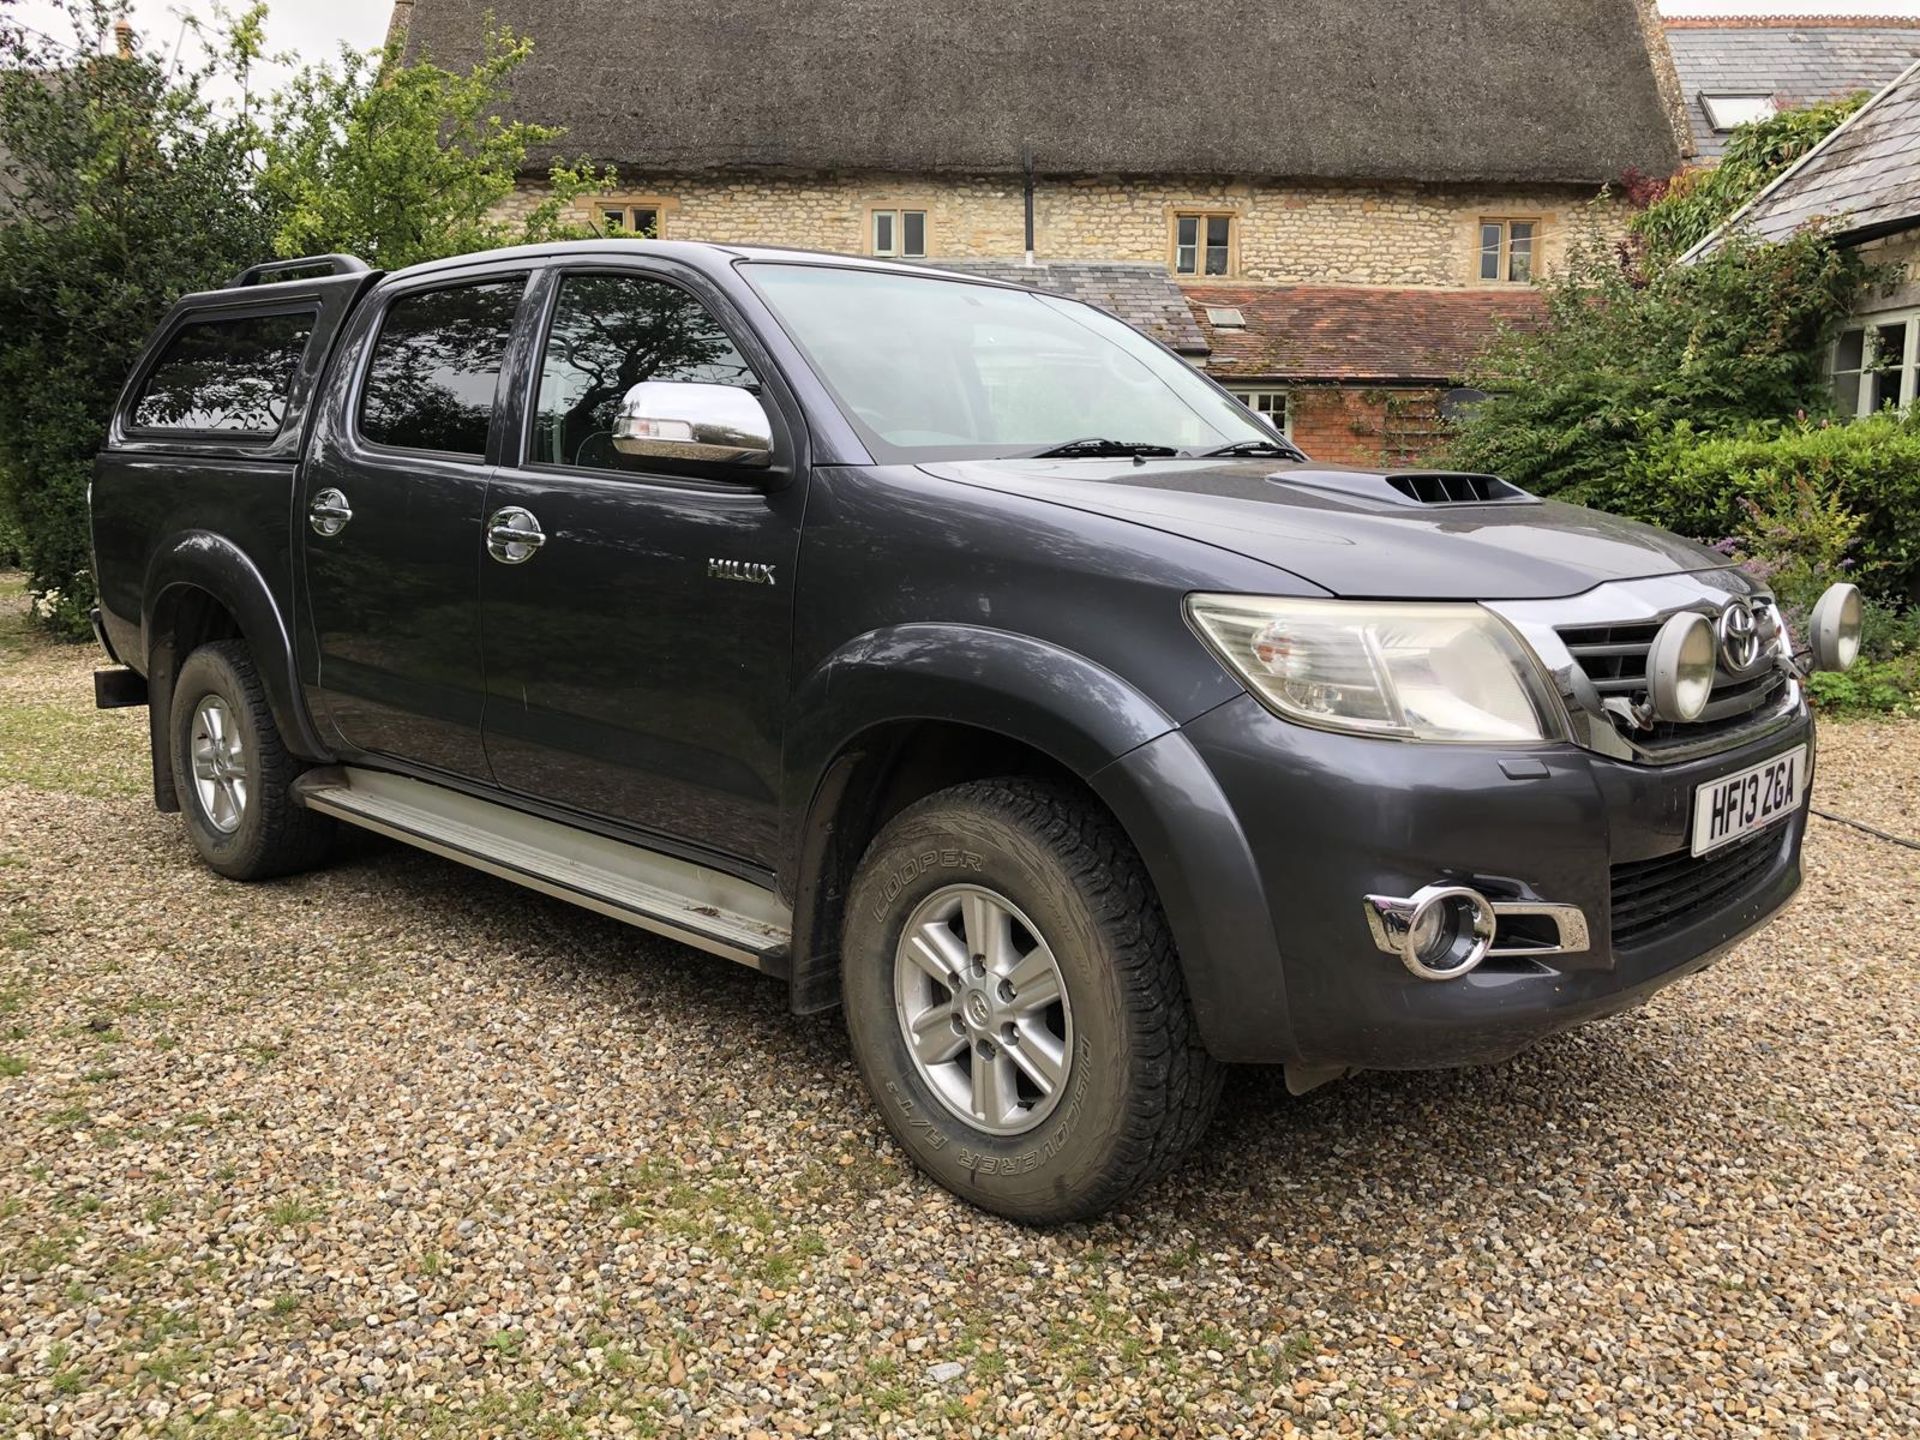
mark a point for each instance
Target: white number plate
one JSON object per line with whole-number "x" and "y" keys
{"x": 1736, "y": 805}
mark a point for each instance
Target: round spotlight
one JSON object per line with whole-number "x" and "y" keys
{"x": 1834, "y": 627}
{"x": 1680, "y": 667}
{"x": 1449, "y": 932}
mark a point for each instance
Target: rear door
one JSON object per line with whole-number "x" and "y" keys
{"x": 630, "y": 675}
{"x": 392, "y": 501}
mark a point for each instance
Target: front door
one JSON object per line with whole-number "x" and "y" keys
{"x": 392, "y": 507}
{"x": 630, "y": 672}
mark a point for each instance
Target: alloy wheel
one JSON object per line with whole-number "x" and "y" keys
{"x": 219, "y": 765}
{"x": 983, "y": 1009}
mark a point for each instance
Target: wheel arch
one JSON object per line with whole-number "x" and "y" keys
{"x": 202, "y": 587}
{"x": 915, "y": 709}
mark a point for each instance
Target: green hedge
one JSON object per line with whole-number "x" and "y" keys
{"x": 1722, "y": 487}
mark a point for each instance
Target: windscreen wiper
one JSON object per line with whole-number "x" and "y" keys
{"x": 1095, "y": 446}
{"x": 1254, "y": 447}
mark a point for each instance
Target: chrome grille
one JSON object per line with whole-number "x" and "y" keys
{"x": 1614, "y": 658}
{"x": 1594, "y": 645}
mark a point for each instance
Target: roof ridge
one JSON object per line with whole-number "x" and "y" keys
{"x": 1790, "y": 22}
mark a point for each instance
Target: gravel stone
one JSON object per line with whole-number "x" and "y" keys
{"x": 397, "y": 1149}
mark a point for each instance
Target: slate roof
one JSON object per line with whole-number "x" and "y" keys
{"x": 1862, "y": 181}
{"x": 1143, "y": 295}
{"x": 1327, "y": 332}
{"x": 1794, "y": 62}
{"x": 1463, "y": 91}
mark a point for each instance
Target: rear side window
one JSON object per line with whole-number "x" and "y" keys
{"x": 436, "y": 365}
{"x": 226, "y": 376}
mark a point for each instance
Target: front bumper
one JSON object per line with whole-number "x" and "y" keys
{"x": 1328, "y": 819}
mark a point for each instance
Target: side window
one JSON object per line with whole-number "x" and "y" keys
{"x": 226, "y": 376}
{"x": 435, "y": 365}
{"x": 609, "y": 333}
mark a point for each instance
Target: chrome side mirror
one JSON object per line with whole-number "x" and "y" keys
{"x": 677, "y": 420}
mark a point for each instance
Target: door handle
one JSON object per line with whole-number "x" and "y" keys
{"x": 329, "y": 513}
{"x": 513, "y": 535}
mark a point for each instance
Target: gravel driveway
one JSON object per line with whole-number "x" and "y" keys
{"x": 398, "y": 1149}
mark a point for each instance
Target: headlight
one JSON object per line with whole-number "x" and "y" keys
{"x": 1834, "y": 627}
{"x": 1410, "y": 671}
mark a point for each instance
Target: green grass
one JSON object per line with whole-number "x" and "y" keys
{"x": 70, "y": 748}
{"x": 292, "y": 1211}
{"x": 65, "y": 746}
{"x": 12, "y": 1065}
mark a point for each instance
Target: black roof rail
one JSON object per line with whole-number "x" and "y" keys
{"x": 335, "y": 265}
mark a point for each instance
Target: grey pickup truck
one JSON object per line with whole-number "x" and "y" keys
{"x": 953, "y": 654}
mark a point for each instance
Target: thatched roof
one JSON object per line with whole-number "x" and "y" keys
{"x": 1532, "y": 91}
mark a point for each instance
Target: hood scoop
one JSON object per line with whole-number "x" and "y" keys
{"x": 1427, "y": 489}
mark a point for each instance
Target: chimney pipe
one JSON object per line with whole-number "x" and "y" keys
{"x": 123, "y": 38}
{"x": 1026, "y": 165}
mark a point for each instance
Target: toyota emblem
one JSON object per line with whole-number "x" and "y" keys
{"x": 1739, "y": 637}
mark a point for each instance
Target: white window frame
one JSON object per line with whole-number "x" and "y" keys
{"x": 1727, "y": 111}
{"x": 1252, "y": 397}
{"x": 896, "y": 220}
{"x": 1871, "y": 362}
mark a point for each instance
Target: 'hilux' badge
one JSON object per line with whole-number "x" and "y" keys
{"x": 743, "y": 570}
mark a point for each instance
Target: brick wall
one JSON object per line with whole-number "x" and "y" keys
{"x": 1300, "y": 234}
{"x": 1366, "y": 425}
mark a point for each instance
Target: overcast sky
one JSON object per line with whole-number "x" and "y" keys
{"x": 310, "y": 29}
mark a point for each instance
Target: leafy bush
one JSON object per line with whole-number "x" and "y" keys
{"x": 1799, "y": 536}
{"x": 1785, "y": 490}
{"x": 104, "y": 156}
{"x": 1871, "y": 687}
{"x": 402, "y": 163}
{"x": 1625, "y": 356}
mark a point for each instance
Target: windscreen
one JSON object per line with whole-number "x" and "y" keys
{"x": 928, "y": 368}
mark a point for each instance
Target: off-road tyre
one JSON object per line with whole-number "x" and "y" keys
{"x": 274, "y": 835}
{"x": 1141, "y": 1088}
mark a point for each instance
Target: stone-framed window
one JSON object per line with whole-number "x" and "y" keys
{"x": 1270, "y": 403}
{"x": 1203, "y": 242}
{"x": 1509, "y": 249}
{"x": 897, "y": 234}
{"x": 641, "y": 215}
{"x": 1876, "y": 363}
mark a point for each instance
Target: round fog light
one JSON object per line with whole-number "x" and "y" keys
{"x": 1680, "y": 667}
{"x": 1449, "y": 932}
{"x": 1834, "y": 627}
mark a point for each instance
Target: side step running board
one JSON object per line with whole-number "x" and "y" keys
{"x": 706, "y": 908}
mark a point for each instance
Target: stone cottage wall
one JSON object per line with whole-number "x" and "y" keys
{"x": 1290, "y": 234}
